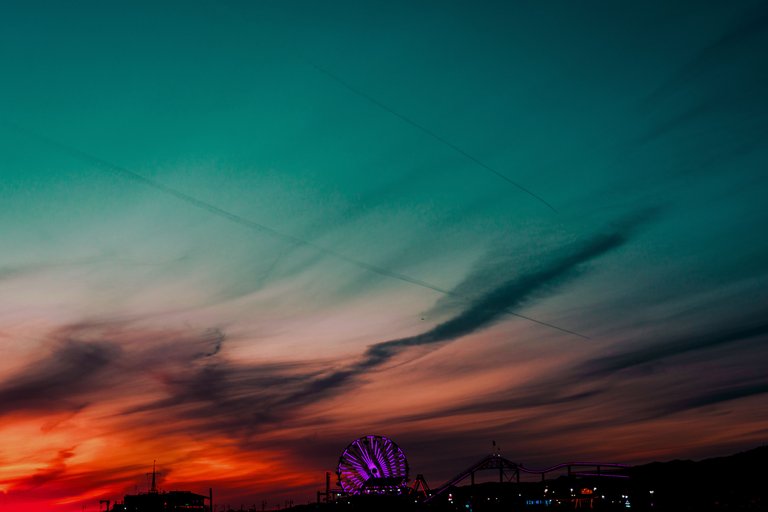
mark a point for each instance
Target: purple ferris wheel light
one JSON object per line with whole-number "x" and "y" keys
{"x": 372, "y": 465}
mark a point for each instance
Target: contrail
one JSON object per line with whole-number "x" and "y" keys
{"x": 427, "y": 131}
{"x": 104, "y": 165}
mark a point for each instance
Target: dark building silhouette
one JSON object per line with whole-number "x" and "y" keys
{"x": 171, "y": 501}
{"x": 156, "y": 501}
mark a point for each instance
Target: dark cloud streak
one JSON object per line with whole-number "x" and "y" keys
{"x": 714, "y": 397}
{"x": 484, "y": 311}
{"x": 241, "y": 398}
{"x": 608, "y": 365}
{"x": 59, "y": 381}
{"x": 602, "y": 378}
{"x": 732, "y": 46}
{"x": 88, "y": 359}
{"x": 206, "y": 391}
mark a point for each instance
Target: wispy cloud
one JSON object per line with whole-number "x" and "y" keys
{"x": 61, "y": 380}
{"x": 602, "y": 384}
{"x": 85, "y": 361}
{"x": 735, "y": 43}
{"x": 485, "y": 310}
{"x": 200, "y": 385}
{"x": 645, "y": 354}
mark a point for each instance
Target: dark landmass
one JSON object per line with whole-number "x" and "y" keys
{"x": 735, "y": 482}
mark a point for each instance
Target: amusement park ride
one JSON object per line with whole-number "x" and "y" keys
{"x": 375, "y": 466}
{"x": 373, "y": 477}
{"x": 372, "y": 465}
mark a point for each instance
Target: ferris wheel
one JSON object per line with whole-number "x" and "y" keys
{"x": 372, "y": 465}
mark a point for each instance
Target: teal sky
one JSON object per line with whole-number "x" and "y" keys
{"x": 345, "y": 235}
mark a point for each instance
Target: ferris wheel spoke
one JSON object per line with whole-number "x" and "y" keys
{"x": 372, "y": 464}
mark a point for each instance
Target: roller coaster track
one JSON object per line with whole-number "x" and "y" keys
{"x": 509, "y": 470}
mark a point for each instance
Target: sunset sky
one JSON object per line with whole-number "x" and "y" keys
{"x": 238, "y": 235}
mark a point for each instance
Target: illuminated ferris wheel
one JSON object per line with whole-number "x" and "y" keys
{"x": 372, "y": 465}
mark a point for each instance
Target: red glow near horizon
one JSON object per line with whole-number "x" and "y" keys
{"x": 98, "y": 442}
{"x": 100, "y": 451}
